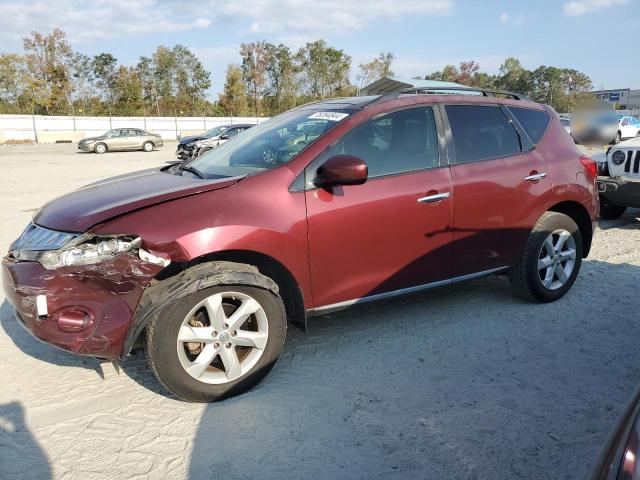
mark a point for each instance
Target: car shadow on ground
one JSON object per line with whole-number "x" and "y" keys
{"x": 20, "y": 454}
{"x": 466, "y": 381}
{"x": 629, "y": 221}
{"x": 28, "y": 344}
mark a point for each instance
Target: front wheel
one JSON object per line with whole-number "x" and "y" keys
{"x": 100, "y": 148}
{"x": 147, "y": 146}
{"x": 609, "y": 211}
{"x": 216, "y": 342}
{"x": 551, "y": 259}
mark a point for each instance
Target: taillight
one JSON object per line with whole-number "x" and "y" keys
{"x": 590, "y": 166}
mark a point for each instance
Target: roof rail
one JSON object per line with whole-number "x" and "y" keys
{"x": 451, "y": 91}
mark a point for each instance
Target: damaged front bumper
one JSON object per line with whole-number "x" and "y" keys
{"x": 84, "y": 309}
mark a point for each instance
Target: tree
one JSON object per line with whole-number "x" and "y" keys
{"x": 47, "y": 59}
{"x": 283, "y": 89}
{"x": 379, "y": 67}
{"x": 105, "y": 70}
{"x": 255, "y": 60}
{"x": 129, "y": 99}
{"x": 82, "y": 76}
{"x": 324, "y": 70}
{"x": 234, "y": 97}
{"x": 11, "y": 81}
{"x": 514, "y": 77}
{"x": 191, "y": 79}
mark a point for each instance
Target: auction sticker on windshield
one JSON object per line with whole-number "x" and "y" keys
{"x": 333, "y": 116}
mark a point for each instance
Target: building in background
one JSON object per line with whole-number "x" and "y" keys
{"x": 621, "y": 99}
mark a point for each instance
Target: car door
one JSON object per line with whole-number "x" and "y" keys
{"x": 394, "y": 231}
{"x": 500, "y": 182}
{"x": 119, "y": 140}
{"x": 136, "y": 138}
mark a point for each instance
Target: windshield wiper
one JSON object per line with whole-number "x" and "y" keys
{"x": 195, "y": 171}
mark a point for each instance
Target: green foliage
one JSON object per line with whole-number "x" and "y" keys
{"x": 562, "y": 88}
{"x": 379, "y": 67}
{"x": 50, "y": 78}
{"x": 233, "y": 101}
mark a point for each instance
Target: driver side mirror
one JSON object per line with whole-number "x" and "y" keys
{"x": 224, "y": 136}
{"x": 342, "y": 170}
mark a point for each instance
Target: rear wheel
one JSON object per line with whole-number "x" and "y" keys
{"x": 216, "y": 342}
{"x": 147, "y": 146}
{"x": 551, "y": 259}
{"x": 100, "y": 148}
{"x": 609, "y": 211}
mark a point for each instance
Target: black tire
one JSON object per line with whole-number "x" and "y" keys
{"x": 524, "y": 275}
{"x": 145, "y": 147}
{"x": 609, "y": 211}
{"x": 162, "y": 355}
{"x": 100, "y": 148}
{"x": 618, "y": 138}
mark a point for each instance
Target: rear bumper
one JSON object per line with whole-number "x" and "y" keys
{"x": 108, "y": 293}
{"x": 621, "y": 191}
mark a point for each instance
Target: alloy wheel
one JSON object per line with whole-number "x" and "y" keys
{"x": 269, "y": 156}
{"x": 222, "y": 337}
{"x": 557, "y": 259}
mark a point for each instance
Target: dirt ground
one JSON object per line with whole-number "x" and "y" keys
{"x": 466, "y": 381}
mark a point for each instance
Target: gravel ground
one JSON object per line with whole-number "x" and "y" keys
{"x": 466, "y": 381}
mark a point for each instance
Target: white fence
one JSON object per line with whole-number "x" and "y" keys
{"x": 50, "y": 129}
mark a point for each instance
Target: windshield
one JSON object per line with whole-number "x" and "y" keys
{"x": 108, "y": 133}
{"x": 269, "y": 144}
{"x": 214, "y": 132}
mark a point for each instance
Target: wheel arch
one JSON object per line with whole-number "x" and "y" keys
{"x": 579, "y": 214}
{"x": 289, "y": 289}
{"x": 287, "y": 286}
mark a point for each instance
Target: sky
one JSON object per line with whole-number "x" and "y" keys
{"x": 598, "y": 37}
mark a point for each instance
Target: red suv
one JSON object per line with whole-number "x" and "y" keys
{"x": 323, "y": 207}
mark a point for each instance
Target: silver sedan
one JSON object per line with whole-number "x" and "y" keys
{"x": 121, "y": 139}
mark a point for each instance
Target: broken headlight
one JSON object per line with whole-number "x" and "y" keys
{"x": 82, "y": 250}
{"x": 95, "y": 250}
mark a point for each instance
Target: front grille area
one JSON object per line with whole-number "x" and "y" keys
{"x": 37, "y": 238}
{"x": 632, "y": 164}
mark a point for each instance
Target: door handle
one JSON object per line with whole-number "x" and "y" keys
{"x": 434, "y": 198}
{"x": 535, "y": 177}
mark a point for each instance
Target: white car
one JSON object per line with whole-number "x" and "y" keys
{"x": 628, "y": 127}
{"x": 619, "y": 180}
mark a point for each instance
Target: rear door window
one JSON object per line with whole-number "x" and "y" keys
{"x": 481, "y": 133}
{"x": 534, "y": 122}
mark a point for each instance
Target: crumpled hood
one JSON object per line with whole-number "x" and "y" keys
{"x": 97, "y": 202}
{"x": 91, "y": 139}
{"x": 192, "y": 138}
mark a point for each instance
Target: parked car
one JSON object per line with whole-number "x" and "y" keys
{"x": 360, "y": 199}
{"x": 190, "y": 147}
{"x": 619, "y": 180}
{"x": 628, "y": 127}
{"x": 121, "y": 139}
{"x": 594, "y": 127}
{"x": 620, "y": 459}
